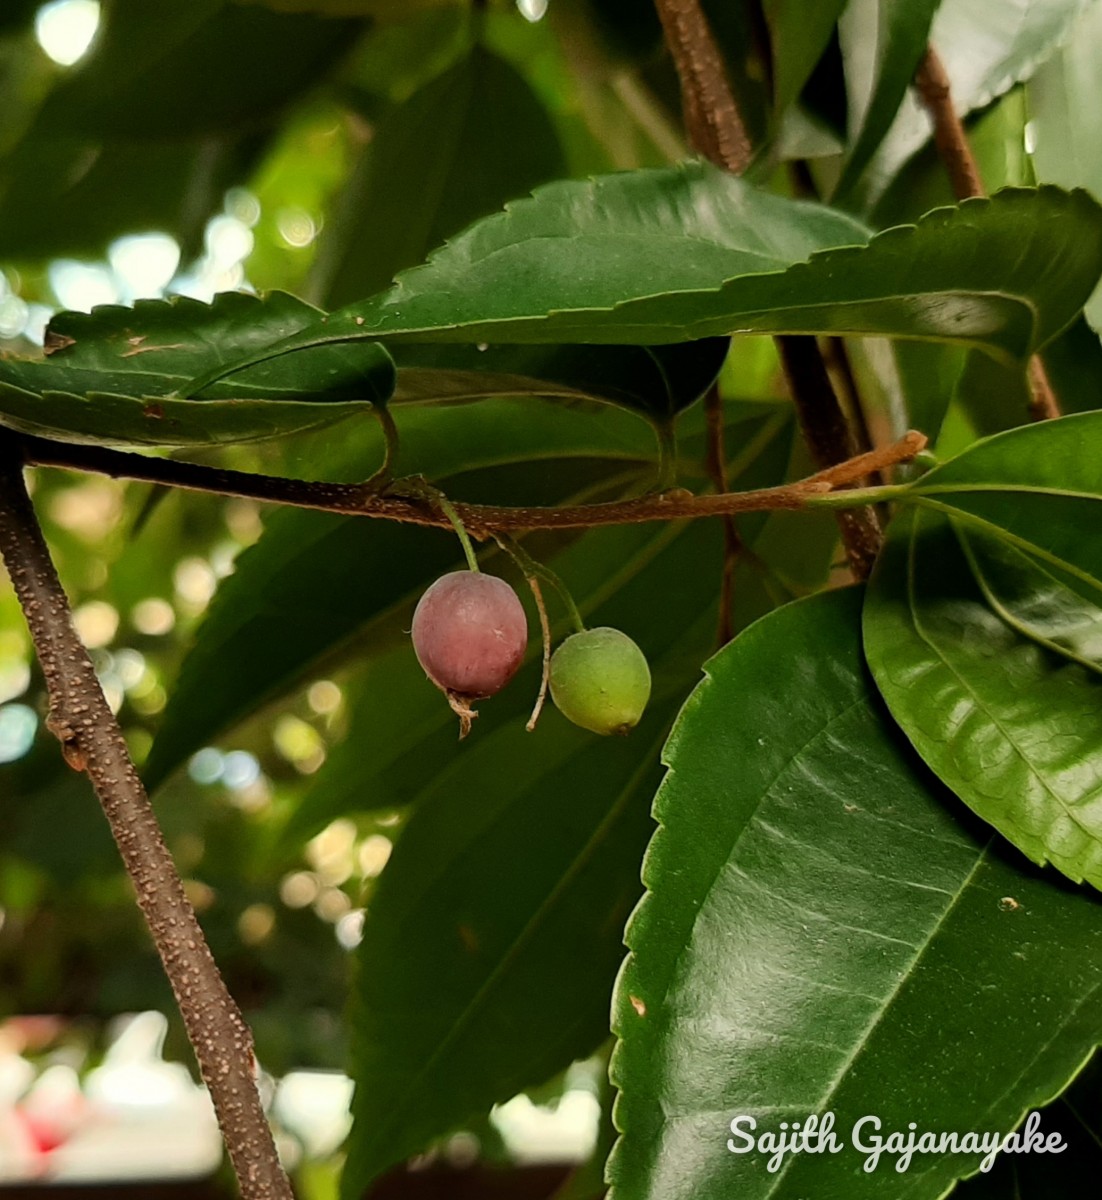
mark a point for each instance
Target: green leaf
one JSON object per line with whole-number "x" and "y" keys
{"x": 501, "y": 910}
{"x": 351, "y": 572}
{"x": 107, "y": 420}
{"x": 1037, "y": 486}
{"x": 113, "y": 374}
{"x": 987, "y": 46}
{"x": 664, "y": 256}
{"x": 154, "y": 348}
{"x": 1065, "y": 107}
{"x": 822, "y": 933}
{"x": 454, "y": 151}
{"x": 883, "y": 42}
{"x": 990, "y": 664}
{"x": 985, "y": 654}
{"x": 209, "y": 66}
{"x": 799, "y": 33}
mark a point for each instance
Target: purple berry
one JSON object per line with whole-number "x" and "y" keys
{"x": 470, "y": 633}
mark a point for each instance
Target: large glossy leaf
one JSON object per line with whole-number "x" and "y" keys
{"x": 991, "y": 665}
{"x": 1065, "y": 104}
{"x": 799, "y": 33}
{"x": 1037, "y": 487}
{"x": 987, "y": 46}
{"x": 979, "y": 632}
{"x": 454, "y": 151}
{"x": 883, "y": 41}
{"x": 204, "y": 67}
{"x": 664, "y": 256}
{"x": 348, "y": 572}
{"x": 822, "y": 932}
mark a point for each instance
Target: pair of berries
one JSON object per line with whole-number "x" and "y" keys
{"x": 470, "y": 633}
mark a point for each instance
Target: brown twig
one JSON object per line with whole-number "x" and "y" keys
{"x": 828, "y": 437}
{"x": 1043, "y": 405}
{"x": 712, "y": 118}
{"x": 92, "y": 742}
{"x": 481, "y": 520}
{"x": 732, "y": 543}
{"x": 932, "y": 82}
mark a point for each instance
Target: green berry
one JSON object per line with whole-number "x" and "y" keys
{"x": 600, "y": 680}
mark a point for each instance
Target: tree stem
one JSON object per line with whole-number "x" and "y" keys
{"x": 480, "y": 520}
{"x": 712, "y": 118}
{"x": 92, "y": 741}
{"x": 828, "y": 437}
{"x": 932, "y": 82}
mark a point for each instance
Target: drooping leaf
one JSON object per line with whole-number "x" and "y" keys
{"x": 108, "y": 420}
{"x": 1065, "y": 108}
{"x": 349, "y": 572}
{"x": 883, "y": 41}
{"x": 987, "y": 46}
{"x": 665, "y": 256}
{"x": 453, "y": 152}
{"x": 822, "y": 933}
{"x": 799, "y": 34}
{"x": 961, "y": 638}
{"x": 990, "y": 666}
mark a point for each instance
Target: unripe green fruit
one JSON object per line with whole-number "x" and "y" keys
{"x": 600, "y": 680}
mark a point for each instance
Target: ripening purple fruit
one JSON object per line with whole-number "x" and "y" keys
{"x": 470, "y": 633}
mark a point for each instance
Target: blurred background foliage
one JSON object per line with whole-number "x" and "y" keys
{"x": 316, "y": 148}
